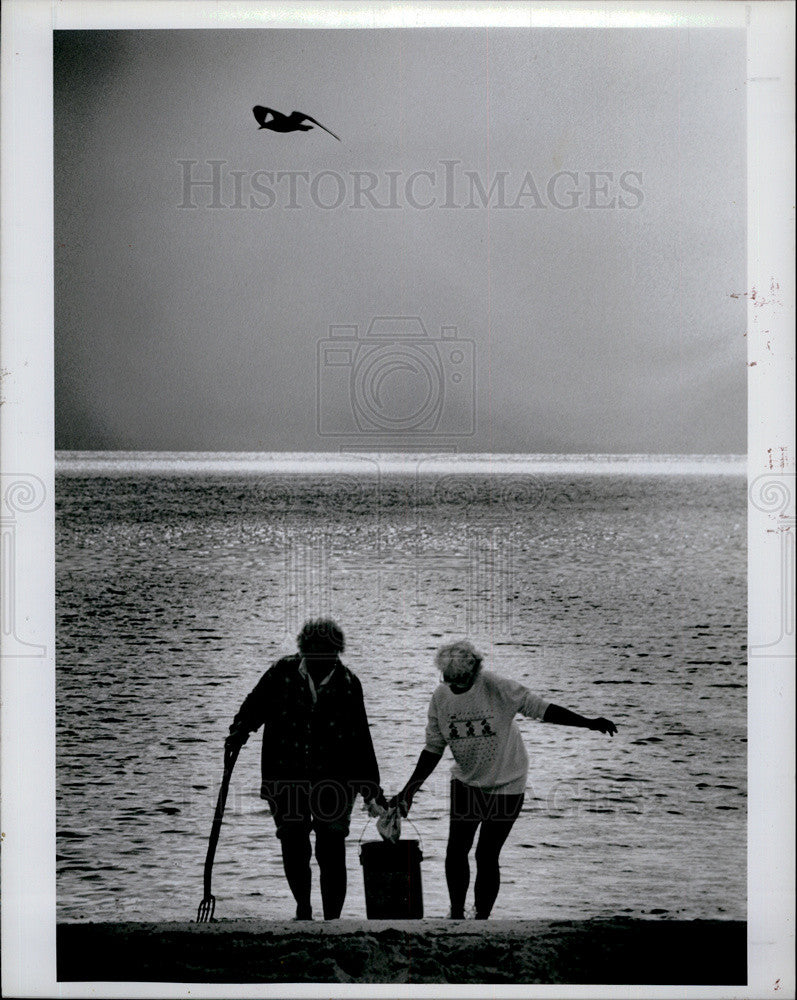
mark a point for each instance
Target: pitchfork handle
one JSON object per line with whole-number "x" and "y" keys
{"x": 230, "y": 757}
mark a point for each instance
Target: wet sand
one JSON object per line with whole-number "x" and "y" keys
{"x": 600, "y": 951}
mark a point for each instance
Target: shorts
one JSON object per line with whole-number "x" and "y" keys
{"x": 469, "y": 803}
{"x": 301, "y": 806}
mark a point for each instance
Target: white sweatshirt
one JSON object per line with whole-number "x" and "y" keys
{"x": 479, "y": 727}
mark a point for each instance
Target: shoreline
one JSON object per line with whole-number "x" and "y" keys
{"x": 605, "y": 951}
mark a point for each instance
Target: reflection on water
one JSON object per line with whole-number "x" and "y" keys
{"x": 620, "y": 595}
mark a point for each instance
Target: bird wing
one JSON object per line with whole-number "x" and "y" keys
{"x": 309, "y": 119}
{"x": 262, "y": 113}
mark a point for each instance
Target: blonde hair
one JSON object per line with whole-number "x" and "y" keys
{"x": 458, "y": 659}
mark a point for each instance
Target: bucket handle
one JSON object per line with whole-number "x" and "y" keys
{"x": 403, "y": 819}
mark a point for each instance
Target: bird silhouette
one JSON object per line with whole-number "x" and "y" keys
{"x": 278, "y": 122}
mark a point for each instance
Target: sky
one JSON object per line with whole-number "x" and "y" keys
{"x": 613, "y": 326}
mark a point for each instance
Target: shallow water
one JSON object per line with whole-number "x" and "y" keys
{"x": 615, "y": 594}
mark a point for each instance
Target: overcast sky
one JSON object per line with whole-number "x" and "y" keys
{"x": 591, "y": 329}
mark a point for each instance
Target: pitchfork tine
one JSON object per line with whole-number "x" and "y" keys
{"x": 206, "y": 910}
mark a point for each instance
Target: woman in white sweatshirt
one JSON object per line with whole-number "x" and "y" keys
{"x": 473, "y": 712}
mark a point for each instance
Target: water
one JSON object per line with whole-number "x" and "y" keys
{"x": 612, "y": 589}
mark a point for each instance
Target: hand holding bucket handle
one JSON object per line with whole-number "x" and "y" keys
{"x": 403, "y": 801}
{"x": 390, "y": 806}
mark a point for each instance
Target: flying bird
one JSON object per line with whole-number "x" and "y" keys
{"x": 278, "y": 122}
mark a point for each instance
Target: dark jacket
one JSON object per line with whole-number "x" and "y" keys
{"x": 328, "y": 740}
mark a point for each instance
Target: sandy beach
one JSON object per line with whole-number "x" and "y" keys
{"x": 600, "y": 951}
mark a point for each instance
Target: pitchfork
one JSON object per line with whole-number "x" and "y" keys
{"x": 208, "y": 905}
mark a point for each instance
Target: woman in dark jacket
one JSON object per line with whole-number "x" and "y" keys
{"x": 317, "y": 756}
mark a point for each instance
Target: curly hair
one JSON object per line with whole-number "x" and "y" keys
{"x": 458, "y": 659}
{"x": 320, "y": 635}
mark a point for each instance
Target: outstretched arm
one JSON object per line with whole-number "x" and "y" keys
{"x": 564, "y": 717}
{"x": 427, "y": 762}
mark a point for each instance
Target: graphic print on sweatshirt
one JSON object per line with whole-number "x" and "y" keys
{"x": 472, "y": 740}
{"x": 465, "y": 728}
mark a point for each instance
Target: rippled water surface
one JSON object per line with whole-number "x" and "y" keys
{"x": 621, "y": 594}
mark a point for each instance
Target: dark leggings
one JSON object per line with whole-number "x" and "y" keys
{"x": 330, "y": 853}
{"x": 496, "y": 814}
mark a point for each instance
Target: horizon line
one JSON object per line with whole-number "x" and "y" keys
{"x": 389, "y": 463}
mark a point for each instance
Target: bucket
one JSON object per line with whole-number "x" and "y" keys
{"x": 392, "y": 877}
